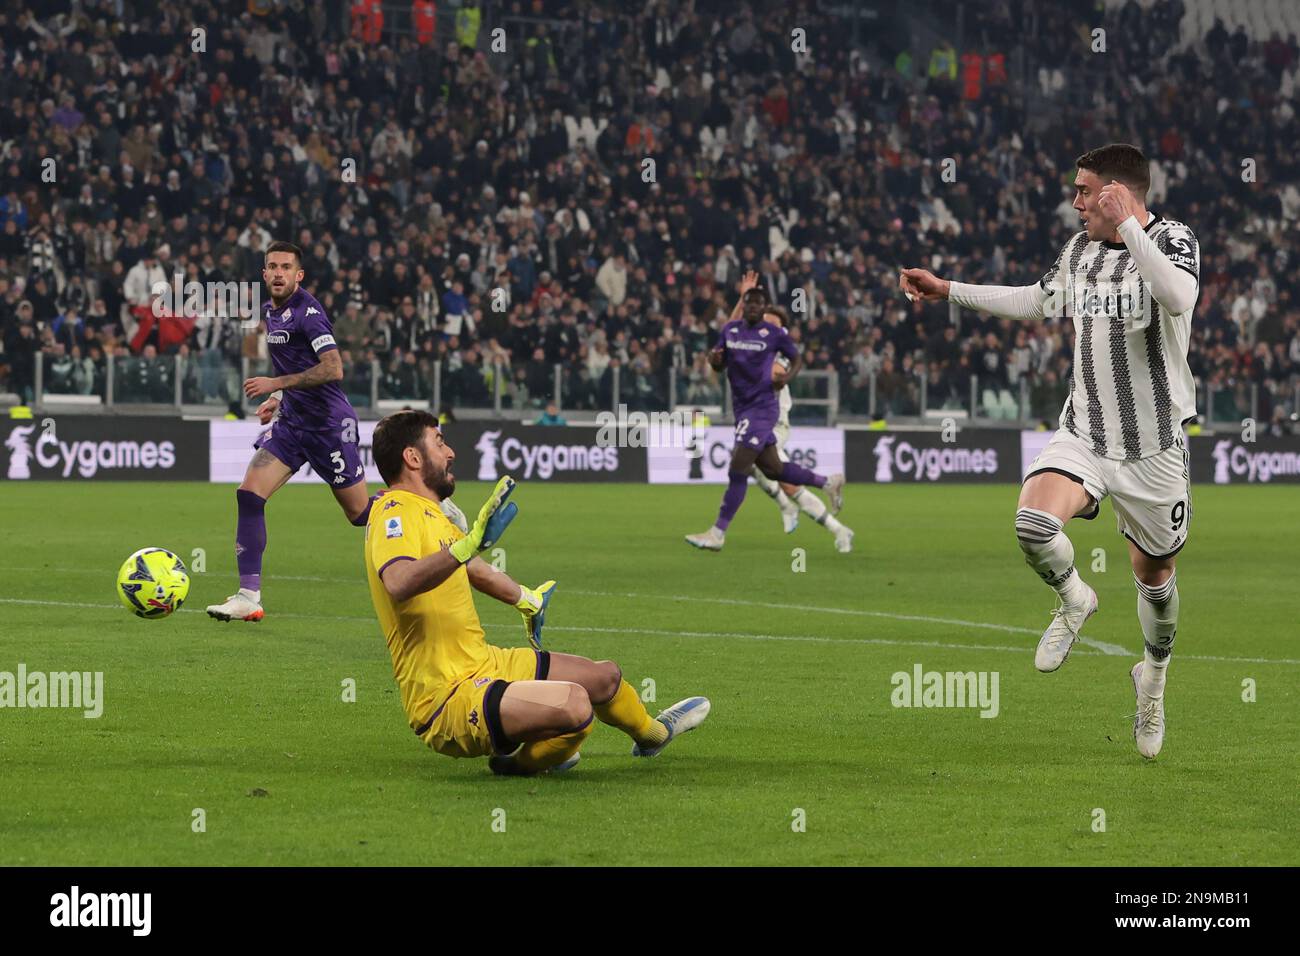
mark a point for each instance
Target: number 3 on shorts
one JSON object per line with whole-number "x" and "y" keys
{"x": 337, "y": 458}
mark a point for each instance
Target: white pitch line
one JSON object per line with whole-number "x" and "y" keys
{"x": 1113, "y": 650}
{"x": 738, "y": 635}
{"x": 742, "y": 635}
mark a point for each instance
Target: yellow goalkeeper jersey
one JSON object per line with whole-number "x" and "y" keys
{"x": 434, "y": 638}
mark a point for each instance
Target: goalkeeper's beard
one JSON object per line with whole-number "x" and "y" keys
{"x": 438, "y": 480}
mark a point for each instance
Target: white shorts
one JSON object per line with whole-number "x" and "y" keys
{"x": 1152, "y": 497}
{"x": 782, "y": 433}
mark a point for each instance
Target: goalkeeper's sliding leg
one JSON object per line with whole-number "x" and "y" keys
{"x": 550, "y": 718}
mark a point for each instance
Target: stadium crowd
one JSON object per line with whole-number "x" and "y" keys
{"x": 494, "y": 211}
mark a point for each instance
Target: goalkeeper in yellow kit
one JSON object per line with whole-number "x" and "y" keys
{"x": 525, "y": 708}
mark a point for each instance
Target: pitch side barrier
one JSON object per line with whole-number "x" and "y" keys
{"x": 163, "y": 448}
{"x": 103, "y": 448}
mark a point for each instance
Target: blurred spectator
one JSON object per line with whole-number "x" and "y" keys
{"x": 499, "y": 205}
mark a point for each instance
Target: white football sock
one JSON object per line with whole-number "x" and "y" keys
{"x": 816, "y": 509}
{"x": 1049, "y": 552}
{"x": 1158, "y": 613}
{"x": 772, "y": 489}
{"x": 254, "y": 596}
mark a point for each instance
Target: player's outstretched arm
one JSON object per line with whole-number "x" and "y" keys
{"x": 1004, "y": 301}
{"x": 923, "y": 284}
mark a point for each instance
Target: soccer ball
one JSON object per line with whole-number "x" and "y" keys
{"x": 152, "y": 583}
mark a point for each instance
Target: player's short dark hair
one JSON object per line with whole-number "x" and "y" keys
{"x": 758, "y": 290}
{"x": 1121, "y": 162}
{"x": 281, "y": 245}
{"x": 396, "y": 433}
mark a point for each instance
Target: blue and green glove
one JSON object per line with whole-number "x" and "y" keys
{"x": 532, "y": 605}
{"x": 491, "y": 523}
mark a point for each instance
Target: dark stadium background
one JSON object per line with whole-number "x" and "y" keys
{"x": 521, "y": 171}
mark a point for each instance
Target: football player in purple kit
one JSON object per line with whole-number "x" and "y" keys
{"x": 747, "y": 348}
{"x": 310, "y": 418}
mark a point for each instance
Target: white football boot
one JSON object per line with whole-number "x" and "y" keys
{"x": 1061, "y": 634}
{"x": 711, "y": 540}
{"x": 1149, "y": 722}
{"x": 835, "y": 492}
{"x": 683, "y": 716}
{"x": 789, "y": 516}
{"x": 844, "y": 541}
{"x": 238, "y": 607}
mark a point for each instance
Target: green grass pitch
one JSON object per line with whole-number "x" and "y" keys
{"x": 205, "y": 715}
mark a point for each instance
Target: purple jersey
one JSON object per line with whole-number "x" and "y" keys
{"x": 750, "y": 352}
{"x": 297, "y": 332}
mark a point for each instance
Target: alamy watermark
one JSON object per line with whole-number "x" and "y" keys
{"x": 922, "y": 688}
{"x": 194, "y": 299}
{"x": 682, "y": 428}
{"x": 127, "y": 910}
{"x": 76, "y": 690}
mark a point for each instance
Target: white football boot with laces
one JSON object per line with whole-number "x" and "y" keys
{"x": 1067, "y": 622}
{"x": 238, "y": 607}
{"x": 679, "y": 718}
{"x": 711, "y": 540}
{"x": 1149, "y": 721}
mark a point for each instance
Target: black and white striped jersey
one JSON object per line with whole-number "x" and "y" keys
{"x": 1132, "y": 389}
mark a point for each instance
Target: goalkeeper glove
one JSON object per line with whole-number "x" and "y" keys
{"x": 490, "y": 524}
{"x": 532, "y": 605}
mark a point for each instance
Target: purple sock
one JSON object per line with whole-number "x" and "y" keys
{"x": 793, "y": 474}
{"x": 737, "y": 485}
{"x": 361, "y": 519}
{"x": 250, "y": 539}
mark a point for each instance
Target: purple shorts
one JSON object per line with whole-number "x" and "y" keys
{"x": 756, "y": 427}
{"x": 335, "y": 459}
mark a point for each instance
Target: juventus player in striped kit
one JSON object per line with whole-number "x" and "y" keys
{"x": 1129, "y": 282}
